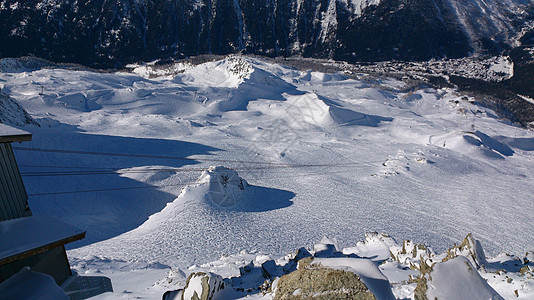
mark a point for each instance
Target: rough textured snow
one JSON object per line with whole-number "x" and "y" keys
{"x": 360, "y": 5}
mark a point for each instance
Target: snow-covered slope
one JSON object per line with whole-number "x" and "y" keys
{"x": 11, "y": 113}
{"x": 323, "y": 154}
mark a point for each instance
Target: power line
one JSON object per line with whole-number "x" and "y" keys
{"x": 161, "y": 186}
{"x": 256, "y": 166}
{"x": 48, "y": 150}
{"x": 176, "y": 170}
{"x": 110, "y": 172}
{"x": 105, "y": 171}
{"x": 104, "y": 190}
{"x": 66, "y": 167}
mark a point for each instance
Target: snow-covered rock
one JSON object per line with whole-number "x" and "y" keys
{"x": 321, "y": 283}
{"x": 224, "y": 186}
{"x": 227, "y": 73}
{"x": 471, "y": 249}
{"x": 203, "y": 286}
{"x": 455, "y": 279}
{"x": 417, "y": 256}
{"x": 366, "y": 270}
{"x": 377, "y": 247}
{"x": 529, "y": 257}
{"x": 151, "y": 71}
{"x": 257, "y": 276}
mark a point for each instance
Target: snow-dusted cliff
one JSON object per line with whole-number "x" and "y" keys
{"x": 109, "y": 33}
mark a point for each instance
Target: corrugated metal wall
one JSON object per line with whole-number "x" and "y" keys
{"x": 13, "y": 197}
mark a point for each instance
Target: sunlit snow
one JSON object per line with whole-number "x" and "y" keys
{"x": 323, "y": 154}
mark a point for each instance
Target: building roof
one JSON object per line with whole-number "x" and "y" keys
{"x": 10, "y": 134}
{"x": 28, "y": 236}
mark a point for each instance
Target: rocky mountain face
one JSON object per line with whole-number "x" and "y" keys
{"x": 108, "y": 33}
{"x": 523, "y": 58}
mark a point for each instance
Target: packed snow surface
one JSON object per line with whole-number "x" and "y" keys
{"x": 300, "y": 155}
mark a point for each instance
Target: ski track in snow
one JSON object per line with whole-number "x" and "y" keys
{"x": 418, "y": 164}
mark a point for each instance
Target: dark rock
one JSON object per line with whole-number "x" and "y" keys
{"x": 270, "y": 270}
{"x": 107, "y": 34}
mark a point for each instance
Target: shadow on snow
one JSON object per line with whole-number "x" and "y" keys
{"x": 106, "y": 213}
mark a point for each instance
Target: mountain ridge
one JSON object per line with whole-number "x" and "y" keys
{"x": 102, "y": 33}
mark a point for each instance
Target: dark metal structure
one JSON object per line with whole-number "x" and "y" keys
{"x": 26, "y": 240}
{"x": 13, "y": 197}
{"x": 37, "y": 242}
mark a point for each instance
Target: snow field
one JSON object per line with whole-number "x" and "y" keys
{"x": 323, "y": 154}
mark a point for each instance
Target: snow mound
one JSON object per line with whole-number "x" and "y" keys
{"x": 150, "y": 71}
{"x": 79, "y": 101}
{"x": 473, "y": 142}
{"x": 319, "y": 77}
{"x": 217, "y": 187}
{"x": 230, "y": 73}
{"x": 42, "y": 286}
{"x": 458, "y": 279}
{"x": 224, "y": 186}
{"x": 257, "y": 82}
{"x": 313, "y": 109}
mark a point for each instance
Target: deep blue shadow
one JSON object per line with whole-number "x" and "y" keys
{"x": 526, "y": 144}
{"x": 491, "y": 147}
{"x": 260, "y": 199}
{"x": 494, "y": 144}
{"x": 119, "y": 203}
